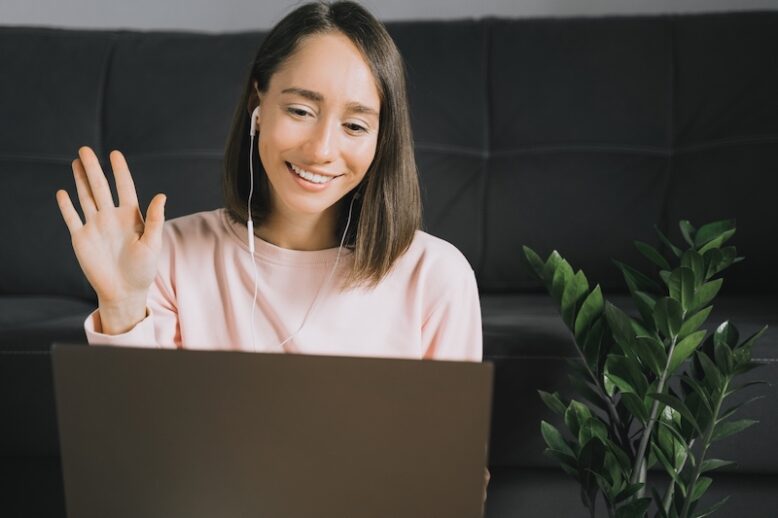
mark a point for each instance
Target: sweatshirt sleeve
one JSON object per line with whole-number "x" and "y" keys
{"x": 159, "y": 329}
{"x": 452, "y": 330}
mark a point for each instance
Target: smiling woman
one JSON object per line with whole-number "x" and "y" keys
{"x": 319, "y": 248}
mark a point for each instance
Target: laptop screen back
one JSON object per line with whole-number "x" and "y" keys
{"x": 170, "y": 433}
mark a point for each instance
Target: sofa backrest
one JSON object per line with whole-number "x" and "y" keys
{"x": 569, "y": 134}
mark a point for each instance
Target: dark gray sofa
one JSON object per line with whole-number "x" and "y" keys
{"x": 570, "y": 134}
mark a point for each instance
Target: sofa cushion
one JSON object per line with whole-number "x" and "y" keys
{"x": 32, "y": 323}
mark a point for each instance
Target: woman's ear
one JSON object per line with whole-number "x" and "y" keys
{"x": 254, "y": 98}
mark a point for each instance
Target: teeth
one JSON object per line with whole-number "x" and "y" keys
{"x": 311, "y": 177}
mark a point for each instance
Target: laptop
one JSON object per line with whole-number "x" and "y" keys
{"x": 150, "y": 433}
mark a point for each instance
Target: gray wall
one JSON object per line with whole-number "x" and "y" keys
{"x": 236, "y": 15}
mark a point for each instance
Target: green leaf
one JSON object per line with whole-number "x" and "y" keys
{"x": 592, "y": 455}
{"x": 679, "y": 440}
{"x": 645, "y": 304}
{"x": 687, "y": 231}
{"x": 592, "y": 428}
{"x": 663, "y": 238}
{"x": 534, "y": 261}
{"x": 553, "y": 402}
{"x": 620, "y": 326}
{"x": 591, "y": 308}
{"x": 711, "y": 464}
{"x": 592, "y": 344}
{"x": 723, "y": 356}
{"x": 623, "y": 385}
{"x": 687, "y": 289}
{"x": 658, "y": 501}
{"x": 742, "y": 353}
{"x": 665, "y": 275}
{"x": 626, "y": 369}
{"x": 636, "y": 280}
{"x": 652, "y": 353}
{"x": 744, "y": 386}
{"x": 694, "y": 321}
{"x": 621, "y": 456}
{"x": 685, "y": 348}
{"x": 554, "y": 439}
{"x": 695, "y": 262}
{"x": 711, "y": 231}
{"x": 727, "y": 428}
{"x": 726, "y": 334}
{"x": 653, "y": 255}
{"x": 669, "y": 468}
{"x": 635, "y": 406}
{"x": 628, "y": 491}
{"x": 718, "y": 241}
{"x": 701, "y": 392}
{"x": 712, "y": 373}
{"x": 576, "y": 414}
{"x": 561, "y": 278}
{"x": 567, "y": 462}
{"x": 634, "y": 509}
{"x": 718, "y": 259}
{"x": 668, "y": 316}
{"x": 585, "y": 390}
{"x": 573, "y": 292}
{"x": 705, "y": 294}
{"x": 553, "y": 261}
{"x": 700, "y": 487}
{"x": 712, "y": 509}
{"x": 679, "y": 406}
{"x": 731, "y": 410}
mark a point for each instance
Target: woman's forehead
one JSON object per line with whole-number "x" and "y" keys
{"x": 328, "y": 68}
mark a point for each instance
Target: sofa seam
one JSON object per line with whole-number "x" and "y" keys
{"x": 485, "y": 176}
{"x": 664, "y": 222}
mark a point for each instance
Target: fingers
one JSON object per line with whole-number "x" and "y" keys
{"x": 85, "y": 197}
{"x": 155, "y": 217}
{"x": 69, "y": 214}
{"x": 125, "y": 187}
{"x": 101, "y": 192}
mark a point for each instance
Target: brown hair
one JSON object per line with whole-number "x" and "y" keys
{"x": 390, "y": 189}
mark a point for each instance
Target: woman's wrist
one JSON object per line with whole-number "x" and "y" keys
{"x": 118, "y": 317}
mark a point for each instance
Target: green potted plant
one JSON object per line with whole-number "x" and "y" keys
{"x": 650, "y": 387}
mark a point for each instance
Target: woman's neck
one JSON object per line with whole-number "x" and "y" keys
{"x": 308, "y": 232}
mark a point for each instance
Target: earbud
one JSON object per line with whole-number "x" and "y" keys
{"x": 254, "y": 119}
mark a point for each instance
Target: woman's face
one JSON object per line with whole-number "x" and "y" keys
{"x": 318, "y": 125}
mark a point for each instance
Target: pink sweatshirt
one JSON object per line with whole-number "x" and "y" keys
{"x": 426, "y": 307}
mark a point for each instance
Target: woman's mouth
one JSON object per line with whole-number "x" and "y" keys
{"x": 308, "y": 176}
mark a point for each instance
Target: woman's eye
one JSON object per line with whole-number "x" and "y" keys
{"x": 297, "y": 111}
{"x": 356, "y": 128}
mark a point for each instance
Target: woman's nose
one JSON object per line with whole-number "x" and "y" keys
{"x": 321, "y": 145}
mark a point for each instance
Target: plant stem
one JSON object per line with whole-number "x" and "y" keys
{"x": 705, "y": 445}
{"x": 668, "y": 500}
{"x": 639, "y": 460}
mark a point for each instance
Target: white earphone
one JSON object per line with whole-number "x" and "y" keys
{"x": 250, "y": 239}
{"x": 250, "y": 222}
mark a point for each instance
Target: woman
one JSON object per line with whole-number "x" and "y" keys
{"x": 333, "y": 263}
{"x": 333, "y": 177}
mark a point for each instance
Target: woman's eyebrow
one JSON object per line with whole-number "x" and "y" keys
{"x": 302, "y": 92}
{"x": 317, "y": 97}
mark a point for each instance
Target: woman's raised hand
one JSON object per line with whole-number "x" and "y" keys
{"x": 116, "y": 249}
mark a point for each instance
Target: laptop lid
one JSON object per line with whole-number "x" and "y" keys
{"x": 200, "y": 434}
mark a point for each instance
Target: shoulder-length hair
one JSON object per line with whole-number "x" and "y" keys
{"x": 390, "y": 195}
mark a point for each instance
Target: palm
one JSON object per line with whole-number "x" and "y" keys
{"x": 116, "y": 250}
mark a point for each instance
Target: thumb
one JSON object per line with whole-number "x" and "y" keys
{"x": 155, "y": 217}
